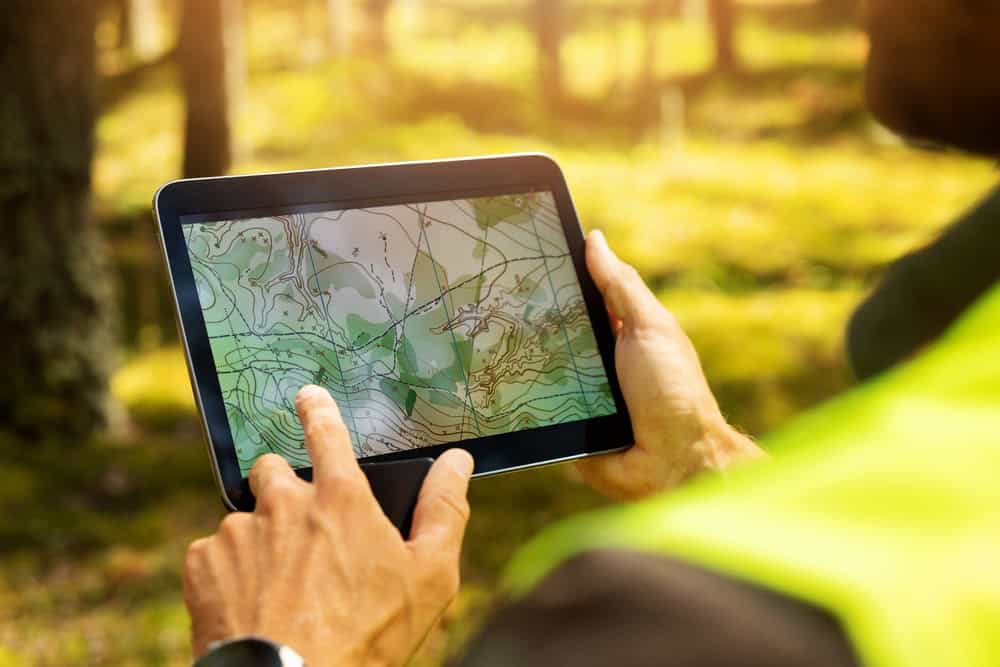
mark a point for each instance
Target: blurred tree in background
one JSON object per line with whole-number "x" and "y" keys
{"x": 722, "y": 13}
{"x": 57, "y": 314}
{"x": 549, "y": 26}
{"x": 339, "y": 21}
{"x": 376, "y": 37}
{"x": 212, "y": 66}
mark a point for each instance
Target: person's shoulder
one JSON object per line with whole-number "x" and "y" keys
{"x": 631, "y": 608}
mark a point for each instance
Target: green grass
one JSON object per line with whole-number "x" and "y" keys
{"x": 760, "y": 223}
{"x": 92, "y": 541}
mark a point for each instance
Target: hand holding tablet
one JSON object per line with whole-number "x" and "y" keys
{"x": 679, "y": 429}
{"x": 440, "y": 303}
{"x": 316, "y": 567}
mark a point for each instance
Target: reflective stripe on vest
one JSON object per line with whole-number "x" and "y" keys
{"x": 883, "y": 506}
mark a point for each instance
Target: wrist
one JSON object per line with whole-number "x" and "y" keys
{"x": 722, "y": 446}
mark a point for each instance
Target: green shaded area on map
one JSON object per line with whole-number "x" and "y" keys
{"x": 428, "y": 323}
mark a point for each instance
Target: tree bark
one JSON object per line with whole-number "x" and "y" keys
{"x": 549, "y": 33}
{"x": 721, "y": 14}
{"x": 210, "y": 54}
{"x": 57, "y": 311}
{"x": 376, "y": 31}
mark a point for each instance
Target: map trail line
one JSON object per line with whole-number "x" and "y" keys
{"x": 336, "y": 357}
{"x": 555, "y": 298}
{"x": 394, "y": 323}
{"x": 479, "y": 301}
{"x": 454, "y": 342}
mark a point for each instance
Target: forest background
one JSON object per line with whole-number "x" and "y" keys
{"x": 722, "y": 145}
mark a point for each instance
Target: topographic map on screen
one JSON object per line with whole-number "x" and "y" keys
{"x": 428, "y": 322}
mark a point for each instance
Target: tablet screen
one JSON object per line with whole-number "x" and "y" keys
{"x": 429, "y": 322}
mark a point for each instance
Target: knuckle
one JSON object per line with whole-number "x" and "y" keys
{"x": 347, "y": 487}
{"x": 195, "y": 556}
{"x": 314, "y": 430}
{"x": 459, "y": 504}
{"x": 266, "y": 464}
{"x": 272, "y": 460}
{"x": 269, "y": 504}
{"x": 319, "y": 521}
{"x": 619, "y": 293}
{"x": 279, "y": 494}
{"x": 234, "y": 525}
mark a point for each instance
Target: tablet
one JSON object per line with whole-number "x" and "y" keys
{"x": 442, "y": 304}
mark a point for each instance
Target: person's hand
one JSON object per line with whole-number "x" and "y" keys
{"x": 679, "y": 430}
{"x": 318, "y": 567}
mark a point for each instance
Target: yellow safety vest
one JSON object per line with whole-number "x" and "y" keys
{"x": 882, "y": 506}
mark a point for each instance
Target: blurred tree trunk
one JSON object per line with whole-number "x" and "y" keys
{"x": 339, "y": 17}
{"x": 722, "y": 15}
{"x": 645, "y": 100}
{"x": 140, "y": 30}
{"x": 647, "y": 69}
{"x": 212, "y": 71}
{"x": 549, "y": 33}
{"x": 122, "y": 9}
{"x": 54, "y": 285}
{"x": 841, "y": 9}
{"x": 376, "y": 30}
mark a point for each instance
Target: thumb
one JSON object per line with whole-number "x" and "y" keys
{"x": 625, "y": 294}
{"x": 442, "y": 509}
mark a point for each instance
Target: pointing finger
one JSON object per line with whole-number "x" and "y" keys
{"x": 326, "y": 436}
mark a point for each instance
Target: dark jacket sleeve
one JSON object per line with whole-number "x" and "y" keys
{"x": 628, "y": 609}
{"x": 925, "y": 291}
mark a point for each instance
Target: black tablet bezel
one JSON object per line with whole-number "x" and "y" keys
{"x": 344, "y": 188}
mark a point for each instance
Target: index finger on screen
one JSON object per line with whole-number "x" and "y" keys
{"x": 326, "y": 436}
